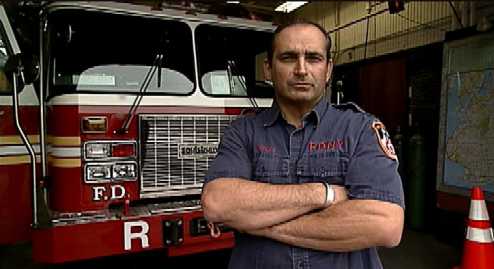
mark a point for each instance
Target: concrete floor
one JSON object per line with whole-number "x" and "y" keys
{"x": 420, "y": 251}
{"x": 417, "y": 250}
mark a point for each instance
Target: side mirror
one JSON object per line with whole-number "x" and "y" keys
{"x": 24, "y": 67}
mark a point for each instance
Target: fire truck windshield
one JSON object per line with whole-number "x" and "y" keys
{"x": 231, "y": 61}
{"x": 103, "y": 52}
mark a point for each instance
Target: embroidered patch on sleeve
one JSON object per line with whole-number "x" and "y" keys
{"x": 384, "y": 140}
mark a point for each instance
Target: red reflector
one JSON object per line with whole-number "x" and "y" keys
{"x": 123, "y": 150}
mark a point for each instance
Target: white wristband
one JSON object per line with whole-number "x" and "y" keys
{"x": 330, "y": 195}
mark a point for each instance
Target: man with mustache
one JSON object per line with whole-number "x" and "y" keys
{"x": 306, "y": 184}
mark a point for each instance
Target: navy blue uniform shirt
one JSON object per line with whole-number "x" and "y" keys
{"x": 336, "y": 144}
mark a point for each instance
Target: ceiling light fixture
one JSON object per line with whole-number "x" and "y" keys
{"x": 290, "y": 6}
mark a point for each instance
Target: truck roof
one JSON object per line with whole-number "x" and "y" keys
{"x": 164, "y": 13}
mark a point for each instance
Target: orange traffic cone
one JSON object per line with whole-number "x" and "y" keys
{"x": 478, "y": 250}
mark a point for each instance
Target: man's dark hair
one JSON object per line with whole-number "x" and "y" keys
{"x": 298, "y": 22}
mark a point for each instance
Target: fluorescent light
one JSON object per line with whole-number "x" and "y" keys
{"x": 232, "y": 2}
{"x": 290, "y": 6}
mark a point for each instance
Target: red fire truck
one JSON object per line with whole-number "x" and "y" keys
{"x": 104, "y": 145}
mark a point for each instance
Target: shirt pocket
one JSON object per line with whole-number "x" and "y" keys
{"x": 319, "y": 168}
{"x": 270, "y": 169}
{"x": 265, "y": 167}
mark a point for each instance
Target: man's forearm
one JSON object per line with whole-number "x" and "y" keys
{"x": 347, "y": 226}
{"x": 248, "y": 205}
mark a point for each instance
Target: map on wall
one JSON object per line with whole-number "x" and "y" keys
{"x": 466, "y": 151}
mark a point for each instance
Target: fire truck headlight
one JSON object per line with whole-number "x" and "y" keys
{"x": 124, "y": 171}
{"x": 98, "y": 173}
{"x": 98, "y": 150}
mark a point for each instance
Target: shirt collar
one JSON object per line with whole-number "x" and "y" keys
{"x": 274, "y": 112}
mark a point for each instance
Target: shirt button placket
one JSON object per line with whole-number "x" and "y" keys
{"x": 296, "y": 138}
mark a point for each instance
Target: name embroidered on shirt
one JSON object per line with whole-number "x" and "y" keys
{"x": 264, "y": 148}
{"x": 326, "y": 145}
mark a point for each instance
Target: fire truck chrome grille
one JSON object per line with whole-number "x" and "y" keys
{"x": 176, "y": 151}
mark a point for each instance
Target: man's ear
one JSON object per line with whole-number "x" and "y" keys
{"x": 267, "y": 70}
{"x": 330, "y": 70}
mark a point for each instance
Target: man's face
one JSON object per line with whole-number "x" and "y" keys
{"x": 299, "y": 68}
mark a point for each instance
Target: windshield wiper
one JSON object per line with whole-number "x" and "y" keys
{"x": 158, "y": 61}
{"x": 231, "y": 67}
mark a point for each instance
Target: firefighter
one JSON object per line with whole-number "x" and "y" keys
{"x": 306, "y": 184}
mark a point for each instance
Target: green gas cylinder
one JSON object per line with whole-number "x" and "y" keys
{"x": 416, "y": 176}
